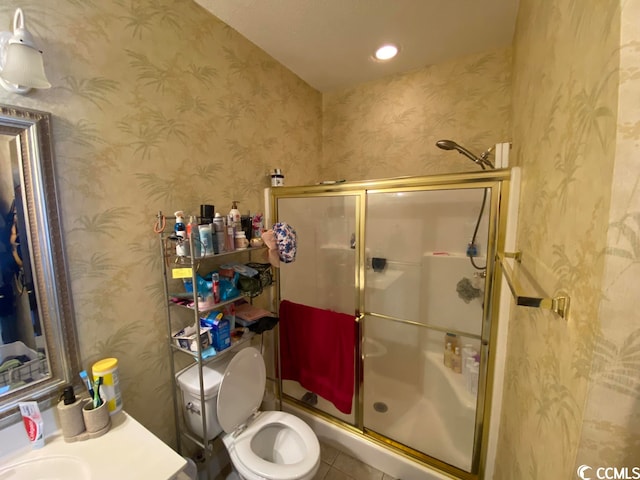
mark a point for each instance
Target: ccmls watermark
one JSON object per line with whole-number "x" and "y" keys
{"x": 585, "y": 472}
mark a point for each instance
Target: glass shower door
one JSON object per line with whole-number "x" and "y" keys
{"x": 421, "y": 293}
{"x": 324, "y": 273}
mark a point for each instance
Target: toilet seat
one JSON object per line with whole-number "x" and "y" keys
{"x": 247, "y": 430}
{"x": 249, "y": 464}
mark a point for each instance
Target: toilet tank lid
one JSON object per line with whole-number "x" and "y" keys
{"x": 189, "y": 379}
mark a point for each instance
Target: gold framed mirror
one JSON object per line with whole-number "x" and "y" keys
{"x": 40, "y": 280}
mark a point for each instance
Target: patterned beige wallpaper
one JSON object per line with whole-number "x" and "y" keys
{"x": 389, "y": 127}
{"x": 157, "y": 106}
{"x": 564, "y": 129}
{"x": 611, "y": 426}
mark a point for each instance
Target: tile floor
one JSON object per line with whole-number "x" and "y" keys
{"x": 336, "y": 465}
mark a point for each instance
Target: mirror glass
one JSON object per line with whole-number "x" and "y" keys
{"x": 38, "y": 347}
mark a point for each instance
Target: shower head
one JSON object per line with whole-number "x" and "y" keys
{"x": 482, "y": 160}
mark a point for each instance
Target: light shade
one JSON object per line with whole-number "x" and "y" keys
{"x": 21, "y": 64}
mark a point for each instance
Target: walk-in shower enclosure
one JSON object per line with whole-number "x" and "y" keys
{"x": 394, "y": 254}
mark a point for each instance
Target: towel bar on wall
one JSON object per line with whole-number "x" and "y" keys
{"x": 558, "y": 304}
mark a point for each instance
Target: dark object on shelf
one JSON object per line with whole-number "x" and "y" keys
{"x": 264, "y": 324}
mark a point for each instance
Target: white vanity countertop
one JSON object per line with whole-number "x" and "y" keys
{"x": 127, "y": 451}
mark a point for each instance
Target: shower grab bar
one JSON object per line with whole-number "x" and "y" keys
{"x": 558, "y": 304}
{"x": 427, "y": 325}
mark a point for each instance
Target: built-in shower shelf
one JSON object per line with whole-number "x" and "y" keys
{"x": 526, "y": 291}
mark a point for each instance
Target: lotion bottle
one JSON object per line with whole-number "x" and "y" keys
{"x": 234, "y": 214}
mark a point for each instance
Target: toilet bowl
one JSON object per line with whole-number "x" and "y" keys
{"x": 262, "y": 445}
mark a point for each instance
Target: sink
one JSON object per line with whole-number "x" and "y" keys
{"x": 52, "y": 467}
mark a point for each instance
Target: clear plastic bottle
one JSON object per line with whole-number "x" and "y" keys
{"x": 193, "y": 233}
{"x": 472, "y": 384}
{"x": 206, "y": 239}
{"x": 456, "y": 361}
{"x": 448, "y": 353}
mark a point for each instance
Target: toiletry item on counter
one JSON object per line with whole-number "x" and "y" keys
{"x": 467, "y": 352}
{"x": 180, "y": 229}
{"x": 256, "y": 242}
{"x": 187, "y": 338}
{"x": 456, "y": 361}
{"x": 96, "y": 419}
{"x": 257, "y": 225}
{"x": 221, "y": 333}
{"x": 450, "y": 344}
{"x": 277, "y": 178}
{"x": 33, "y": 423}
{"x": 70, "y": 414}
{"x": 473, "y": 369}
{"x": 110, "y": 392}
{"x": 193, "y": 234}
{"x": 220, "y": 233}
{"x": 215, "y": 287}
{"x": 240, "y": 241}
{"x": 87, "y": 382}
{"x": 448, "y": 353}
{"x": 206, "y": 214}
{"x": 234, "y": 215}
{"x": 206, "y": 239}
{"x": 229, "y": 245}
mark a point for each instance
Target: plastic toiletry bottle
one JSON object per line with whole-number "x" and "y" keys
{"x": 70, "y": 413}
{"x": 229, "y": 245}
{"x": 215, "y": 286}
{"x": 206, "y": 239}
{"x": 474, "y": 371}
{"x": 219, "y": 228}
{"x": 234, "y": 214}
{"x": 447, "y": 355}
{"x": 180, "y": 229}
{"x": 456, "y": 361}
{"x": 194, "y": 234}
{"x": 110, "y": 391}
{"x": 466, "y": 352}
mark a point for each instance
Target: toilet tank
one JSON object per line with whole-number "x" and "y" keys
{"x": 189, "y": 382}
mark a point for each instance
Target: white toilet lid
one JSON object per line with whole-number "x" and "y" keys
{"x": 241, "y": 389}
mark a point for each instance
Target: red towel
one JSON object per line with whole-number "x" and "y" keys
{"x": 317, "y": 350}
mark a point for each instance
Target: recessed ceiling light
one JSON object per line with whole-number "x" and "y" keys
{"x": 386, "y": 52}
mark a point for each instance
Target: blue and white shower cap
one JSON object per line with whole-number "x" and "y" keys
{"x": 286, "y": 239}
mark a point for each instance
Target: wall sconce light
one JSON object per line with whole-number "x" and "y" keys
{"x": 21, "y": 66}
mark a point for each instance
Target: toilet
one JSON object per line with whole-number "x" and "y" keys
{"x": 269, "y": 445}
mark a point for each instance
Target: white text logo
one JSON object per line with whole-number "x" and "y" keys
{"x": 609, "y": 473}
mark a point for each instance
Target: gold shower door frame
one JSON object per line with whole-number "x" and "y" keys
{"x": 498, "y": 181}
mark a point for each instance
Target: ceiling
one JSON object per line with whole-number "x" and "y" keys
{"x": 330, "y": 43}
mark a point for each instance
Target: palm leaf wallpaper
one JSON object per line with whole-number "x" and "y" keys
{"x": 157, "y": 105}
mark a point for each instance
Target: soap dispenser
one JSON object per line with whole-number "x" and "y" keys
{"x": 70, "y": 414}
